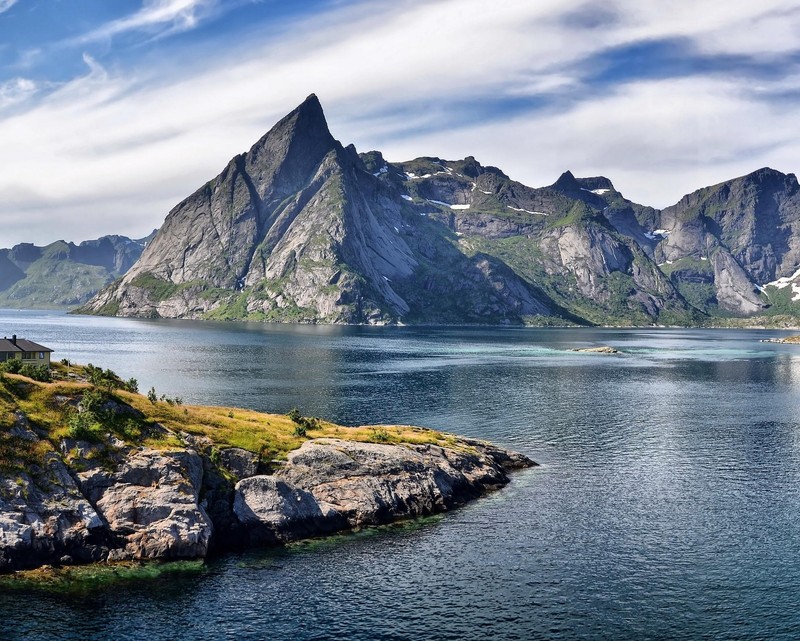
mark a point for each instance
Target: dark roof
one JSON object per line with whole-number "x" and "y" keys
{"x": 22, "y": 345}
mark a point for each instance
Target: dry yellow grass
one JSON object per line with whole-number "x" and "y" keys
{"x": 49, "y": 405}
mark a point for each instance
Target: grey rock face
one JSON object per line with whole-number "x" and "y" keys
{"x": 142, "y": 503}
{"x": 150, "y": 505}
{"x": 274, "y": 511}
{"x": 302, "y": 229}
{"x": 748, "y": 227}
{"x": 239, "y": 462}
{"x": 147, "y": 507}
{"x": 44, "y": 516}
{"x": 330, "y": 484}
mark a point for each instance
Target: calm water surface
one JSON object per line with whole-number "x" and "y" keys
{"x": 667, "y": 504}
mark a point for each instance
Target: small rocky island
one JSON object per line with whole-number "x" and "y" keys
{"x": 789, "y": 340}
{"x": 92, "y": 471}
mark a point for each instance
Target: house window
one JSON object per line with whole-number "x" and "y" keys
{"x": 41, "y": 356}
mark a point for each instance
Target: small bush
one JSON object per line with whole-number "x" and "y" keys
{"x": 302, "y": 424}
{"x": 130, "y": 430}
{"x": 92, "y": 400}
{"x": 83, "y": 426}
{"x": 152, "y": 396}
{"x": 109, "y": 379}
{"x": 36, "y": 372}
{"x": 12, "y": 365}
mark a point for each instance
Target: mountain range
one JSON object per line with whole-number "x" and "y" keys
{"x": 303, "y": 229}
{"x": 64, "y": 274}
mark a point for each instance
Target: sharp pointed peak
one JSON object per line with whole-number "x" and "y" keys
{"x": 305, "y": 126}
{"x": 310, "y": 103}
{"x": 308, "y": 112}
{"x": 566, "y": 182}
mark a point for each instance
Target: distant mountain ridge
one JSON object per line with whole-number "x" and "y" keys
{"x": 64, "y": 274}
{"x": 301, "y": 228}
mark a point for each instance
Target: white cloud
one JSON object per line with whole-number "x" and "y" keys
{"x": 5, "y": 5}
{"x": 113, "y": 151}
{"x": 15, "y": 91}
{"x": 765, "y": 28}
{"x": 656, "y": 140}
{"x": 172, "y": 15}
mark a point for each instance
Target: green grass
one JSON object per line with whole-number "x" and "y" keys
{"x": 157, "y": 288}
{"x": 687, "y": 263}
{"x": 50, "y": 406}
{"x": 781, "y": 303}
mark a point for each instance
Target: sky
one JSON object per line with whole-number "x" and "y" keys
{"x": 113, "y": 111}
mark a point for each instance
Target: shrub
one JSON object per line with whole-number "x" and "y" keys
{"x": 83, "y": 426}
{"x": 109, "y": 379}
{"x": 12, "y": 365}
{"x": 36, "y": 372}
{"x": 92, "y": 400}
{"x": 302, "y": 424}
{"x": 152, "y": 396}
{"x": 129, "y": 429}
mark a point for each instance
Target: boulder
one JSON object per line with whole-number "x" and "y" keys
{"x": 150, "y": 505}
{"x": 330, "y": 484}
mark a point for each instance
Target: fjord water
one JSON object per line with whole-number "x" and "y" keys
{"x": 667, "y": 504}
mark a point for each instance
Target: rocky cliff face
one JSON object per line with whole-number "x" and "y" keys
{"x": 63, "y": 274}
{"x": 300, "y": 228}
{"x": 747, "y": 230}
{"x": 295, "y": 229}
{"x": 145, "y": 503}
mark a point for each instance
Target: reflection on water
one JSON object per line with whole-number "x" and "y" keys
{"x": 667, "y": 506}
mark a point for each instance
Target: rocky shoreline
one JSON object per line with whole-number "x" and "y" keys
{"x": 92, "y": 502}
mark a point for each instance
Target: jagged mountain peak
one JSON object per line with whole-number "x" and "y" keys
{"x": 294, "y": 146}
{"x": 302, "y": 228}
{"x": 308, "y": 116}
{"x": 566, "y": 182}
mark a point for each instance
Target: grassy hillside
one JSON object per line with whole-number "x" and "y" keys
{"x": 92, "y": 405}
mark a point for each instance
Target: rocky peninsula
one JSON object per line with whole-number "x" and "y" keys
{"x": 92, "y": 471}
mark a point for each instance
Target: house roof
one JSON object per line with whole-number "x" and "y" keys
{"x": 21, "y": 345}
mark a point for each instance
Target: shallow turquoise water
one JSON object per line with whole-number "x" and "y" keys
{"x": 667, "y": 505}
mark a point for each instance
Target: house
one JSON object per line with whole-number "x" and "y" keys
{"x": 27, "y": 351}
